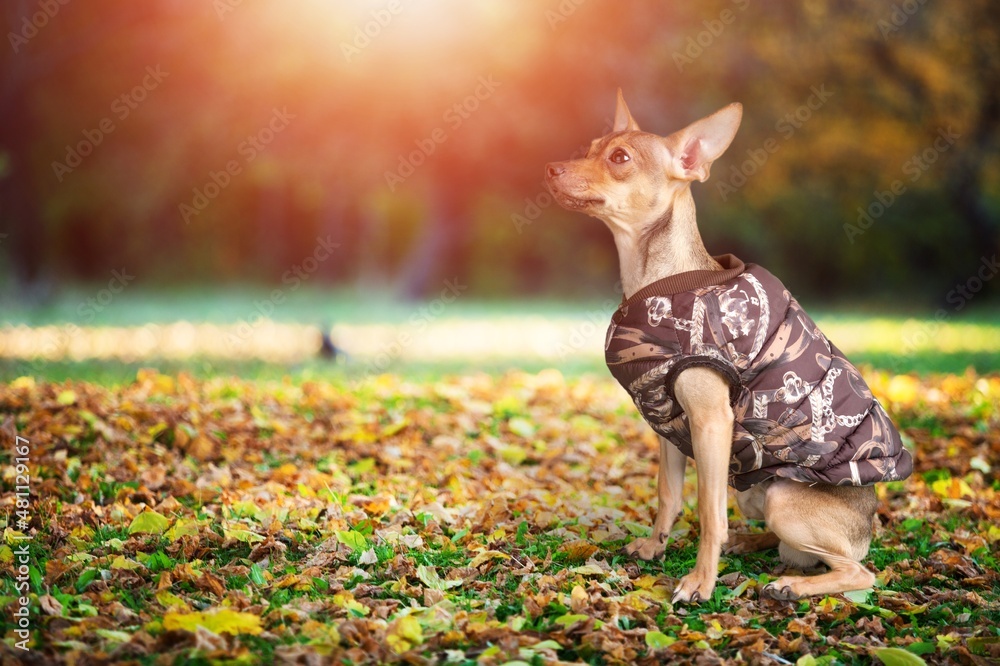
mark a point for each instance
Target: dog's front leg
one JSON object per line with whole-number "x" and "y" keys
{"x": 669, "y": 489}
{"x": 704, "y": 395}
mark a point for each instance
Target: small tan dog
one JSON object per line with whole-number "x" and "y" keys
{"x": 728, "y": 369}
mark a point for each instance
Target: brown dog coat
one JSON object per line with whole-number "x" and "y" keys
{"x": 802, "y": 410}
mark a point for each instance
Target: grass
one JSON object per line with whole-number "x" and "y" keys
{"x": 895, "y": 342}
{"x": 344, "y": 446}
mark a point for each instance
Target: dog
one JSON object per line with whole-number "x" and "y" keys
{"x": 728, "y": 369}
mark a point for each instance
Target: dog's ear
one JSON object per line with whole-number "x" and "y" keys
{"x": 702, "y": 142}
{"x": 623, "y": 119}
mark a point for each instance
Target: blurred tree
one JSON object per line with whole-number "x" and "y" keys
{"x": 369, "y": 92}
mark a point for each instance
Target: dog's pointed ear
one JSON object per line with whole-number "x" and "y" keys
{"x": 702, "y": 142}
{"x": 623, "y": 119}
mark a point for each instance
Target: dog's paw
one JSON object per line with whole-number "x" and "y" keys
{"x": 781, "y": 589}
{"x": 647, "y": 548}
{"x": 694, "y": 588}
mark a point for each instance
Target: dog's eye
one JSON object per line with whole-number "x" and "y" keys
{"x": 619, "y": 156}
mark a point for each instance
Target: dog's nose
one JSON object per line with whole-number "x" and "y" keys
{"x": 554, "y": 169}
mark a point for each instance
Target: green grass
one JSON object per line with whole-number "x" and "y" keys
{"x": 883, "y": 338}
{"x": 313, "y": 305}
{"x": 919, "y": 529}
{"x": 116, "y": 373}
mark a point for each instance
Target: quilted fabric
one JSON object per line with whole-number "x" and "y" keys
{"x": 802, "y": 410}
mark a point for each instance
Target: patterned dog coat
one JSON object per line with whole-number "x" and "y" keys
{"x": 802, "y": 410}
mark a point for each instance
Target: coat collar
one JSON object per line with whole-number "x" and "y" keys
{"x": 732, "y": 268}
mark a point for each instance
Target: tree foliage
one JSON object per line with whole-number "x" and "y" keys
{"x": 416, "y": 134}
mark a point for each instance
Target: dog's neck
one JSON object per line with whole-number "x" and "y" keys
{"x": 667, "y": 245}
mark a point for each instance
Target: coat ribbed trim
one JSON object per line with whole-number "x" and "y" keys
{"x": 690, "y": 280}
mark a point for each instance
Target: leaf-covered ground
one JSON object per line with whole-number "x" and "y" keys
{"x": 468, "y": 520}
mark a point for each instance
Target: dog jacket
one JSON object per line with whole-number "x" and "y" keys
{"x": 802, "y": 410}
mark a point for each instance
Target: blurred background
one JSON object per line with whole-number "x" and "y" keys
{"x": 233, "y": 179}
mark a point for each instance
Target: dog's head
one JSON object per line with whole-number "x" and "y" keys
{"x": 630, "y": 177}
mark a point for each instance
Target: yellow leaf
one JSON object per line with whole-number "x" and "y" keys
{"x": 184, "y": 527}
{"x": 114, "y": 636}
{"x": 394, "y": 428}
{"x": 246, "y": 508}
{"x": 658, "y": 639}
{"x": 347, "y": 600}
{"x": 155, "y": 430}
{"x": 161, "y": 383}
{"x": 647, "y": 582}
{"x": 486, "y": 556}
{"x": 121, "y": 562}
{"x": 952, "y": 488}
{"x": 285, "y": 473}
{"x": 577, "y": 551}
{"x": 322, "y": 637}
{"x": 290, "y": 580}
{"x": 903, "y": 389}
{"x": 66, "y": 397}
{"x": 223, "y": 621}
{"x": 515, "y": 455}
{"x": 171, "y": 601}
{"x": 521, "y": 426}
{"x": 571, "y": 618}
{"x": 237, "y": 534}
{"x": 353, "y": 540}
{"x": 148, "y": 522}
{"x": 81, "y": 536}
{"x": 404, "y": 634}
{"x": 898, "y": 657}
{"x": 429, "y": 577}
{"x": 637, "y": 600}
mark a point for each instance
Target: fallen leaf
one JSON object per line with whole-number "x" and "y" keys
{"x": 148, "y": 522}
{"x": 222, "y": 621}
{"x": 891, "y": 656}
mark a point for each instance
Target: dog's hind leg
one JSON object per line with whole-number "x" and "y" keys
{"x": 820, "y": 523}
{"x": 751, "y": 503}
{"x": 740, "y": 544}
